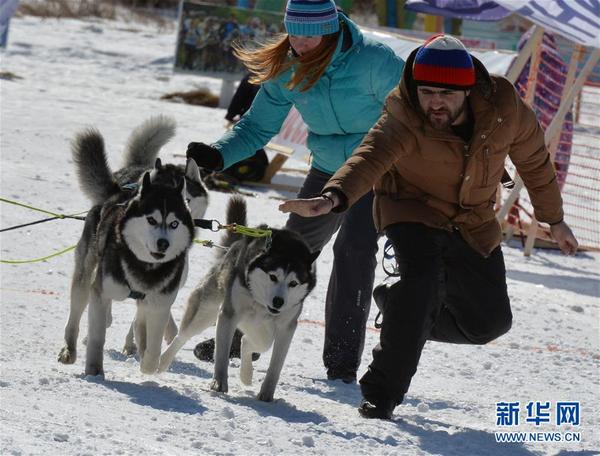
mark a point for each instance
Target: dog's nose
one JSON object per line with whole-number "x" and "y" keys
{"x": 277, "y": 302}
{"x": 162, "y": 245}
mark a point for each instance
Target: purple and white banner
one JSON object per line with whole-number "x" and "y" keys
{"x": 475, "y": 10}
{"x": 576, "y": 20}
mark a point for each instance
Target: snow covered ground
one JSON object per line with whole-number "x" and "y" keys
{"x": 111, "y": 74}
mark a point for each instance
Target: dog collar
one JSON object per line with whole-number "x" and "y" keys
{"x": 136, "y": 295}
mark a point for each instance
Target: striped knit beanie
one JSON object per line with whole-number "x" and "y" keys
{"x": 443, "y": 61}
{"x": 311, "y": 17}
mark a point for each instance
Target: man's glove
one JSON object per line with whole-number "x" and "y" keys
{"x": 205, "y": 156}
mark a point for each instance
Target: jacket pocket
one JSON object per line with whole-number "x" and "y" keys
{"x": 494, "y": 161}
{"x": 486, "y": 165}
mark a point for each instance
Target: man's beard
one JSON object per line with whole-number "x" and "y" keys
{"x": 445, "y": 117}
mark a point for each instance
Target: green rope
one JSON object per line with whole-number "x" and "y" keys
{"x": 236, "y": 228}
{"x": 215, "y": 225}
{"x": 252, "y": 232}
{"x": 60, "y": 216}
{"x": 68, "y": 249}
{"x": 211, "y": 244}
{"x": 37, "y": 260}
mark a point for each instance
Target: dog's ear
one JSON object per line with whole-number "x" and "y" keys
{"x": 157, "y": 163}
{"x": 192, "y": 171}
{"x": 146, "y": 184}
{"x": 314, "y": 255}
{"x": 181, "y": 186}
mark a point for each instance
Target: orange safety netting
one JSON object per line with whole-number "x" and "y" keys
{"x": 576, "y": 149}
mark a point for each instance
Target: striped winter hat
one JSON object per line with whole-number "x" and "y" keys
{"x": 311, "y": 17}
{"x": 443, "y": 61}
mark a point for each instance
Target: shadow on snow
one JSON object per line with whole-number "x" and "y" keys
{"x": 151, "y": 394}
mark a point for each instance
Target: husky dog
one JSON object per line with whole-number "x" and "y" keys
{"x": 134, "y": 242}
{"x": 258, "y": 286}
{"x": 197, "y": 200}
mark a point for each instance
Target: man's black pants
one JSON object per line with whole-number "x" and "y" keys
{"x": 447, "y": 292}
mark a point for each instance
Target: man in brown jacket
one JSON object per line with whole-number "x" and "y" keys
{"x": 435, "y": 159}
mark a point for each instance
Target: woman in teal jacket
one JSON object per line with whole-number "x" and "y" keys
{"x": 338, "y": 80}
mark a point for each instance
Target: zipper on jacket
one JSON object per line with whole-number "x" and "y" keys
{"x": 329, "y": 98}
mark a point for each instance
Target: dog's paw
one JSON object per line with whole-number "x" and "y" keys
{"x": 130, "y": 350}
{"x": 218, "y": 386}
{"x": 265, "y": 396}
{"x": 94, "y": 371}
{"x": 149, "y": 366}
{"x": 67, "y": 356}
{"x": 163, "y": 365}
{"x": 246, "y": 375}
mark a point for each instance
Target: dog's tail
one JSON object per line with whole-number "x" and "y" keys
{"x": 236, "y": 213}
{"x": 146, "y": 140}
{"x": 95, "y": 177}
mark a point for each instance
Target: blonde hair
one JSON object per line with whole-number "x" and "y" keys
{"x": 276, "y": 56}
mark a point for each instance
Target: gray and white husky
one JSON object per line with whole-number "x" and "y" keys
{"x": 258, "y": 286}
{"x": 135, "y": 240}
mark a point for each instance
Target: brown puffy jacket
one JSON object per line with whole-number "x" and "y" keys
{"x": 433, "y": 177}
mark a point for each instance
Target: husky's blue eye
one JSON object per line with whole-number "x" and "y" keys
{"x": 151, "y": 221}
{"x": 174, "y": 224}
{"x": 293, "y": 284}
{"x": 273, "y": 277}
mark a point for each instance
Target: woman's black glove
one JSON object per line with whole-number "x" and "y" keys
{"x": 205, "y": 156}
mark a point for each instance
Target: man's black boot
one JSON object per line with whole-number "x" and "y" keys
{"x": 380, "y": 293}
{"x": 347, "y": 377}
{"x": 381, "y": 410}
{"x": 205, "y": 351}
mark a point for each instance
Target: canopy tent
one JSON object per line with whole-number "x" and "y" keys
{"x": 576, "y": 20}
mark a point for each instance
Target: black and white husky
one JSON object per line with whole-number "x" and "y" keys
{"x": 258, "y": 286}
{"x": 135, "y": 240}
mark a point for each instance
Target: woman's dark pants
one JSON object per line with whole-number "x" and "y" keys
{"x": 351, "y": 282}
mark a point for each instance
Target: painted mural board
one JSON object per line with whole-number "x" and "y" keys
{"x": 206, "y": 34}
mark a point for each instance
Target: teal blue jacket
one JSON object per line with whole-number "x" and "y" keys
{"x": 338, "y": 110}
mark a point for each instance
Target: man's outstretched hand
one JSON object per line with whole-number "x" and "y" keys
{"x": 310, "y": 207}
{"x": 563, "y": 235}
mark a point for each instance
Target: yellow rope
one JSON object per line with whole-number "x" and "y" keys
{"x": 61, "y": 216}
{"x": 234, "y": 227}
{"x": 211, "y": 244}
{"x": 68, "y": 249}
{"x": 252, "y": 232}
{"x": 37, "y": 260}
